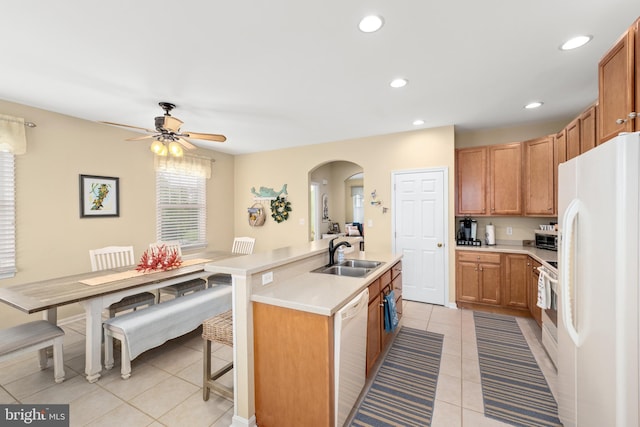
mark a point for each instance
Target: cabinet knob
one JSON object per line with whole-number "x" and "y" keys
{"x": 632, "y": 115}
{"x": 439, "y": 245}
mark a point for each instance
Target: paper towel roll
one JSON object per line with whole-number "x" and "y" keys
{"x": 490, "y": 235}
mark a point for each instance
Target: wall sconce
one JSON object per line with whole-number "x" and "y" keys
{"x": 375, "y": 202}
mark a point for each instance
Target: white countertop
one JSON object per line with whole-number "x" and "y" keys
{"x": 320, "y": 293}
{"x": 541, "y": 255}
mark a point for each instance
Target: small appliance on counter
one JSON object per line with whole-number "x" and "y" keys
{"x": 547, "y": 239}
{"x": 467, "y": 234}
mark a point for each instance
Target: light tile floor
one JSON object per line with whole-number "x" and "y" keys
{"x": 165, "y": 388}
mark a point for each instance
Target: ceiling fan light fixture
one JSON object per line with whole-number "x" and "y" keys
{"x": 175, "y": 149}
{"x": 157, "y": 147}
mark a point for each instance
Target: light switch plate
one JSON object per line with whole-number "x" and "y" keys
{"x": 267, "y": 278}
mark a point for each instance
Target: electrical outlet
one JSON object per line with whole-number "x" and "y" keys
{"x": 509, "y": 231}
{"x": 370, "y": 223}
{"x": 267, "y": 278}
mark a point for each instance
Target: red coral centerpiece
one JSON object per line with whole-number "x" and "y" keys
{"x": 160, "y": 258}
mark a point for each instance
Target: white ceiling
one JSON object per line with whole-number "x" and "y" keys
{"x": 281, "y": 73}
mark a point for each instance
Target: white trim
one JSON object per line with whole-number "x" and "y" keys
{"x": 238, "y": 421}
{"x": 445, "y": 203}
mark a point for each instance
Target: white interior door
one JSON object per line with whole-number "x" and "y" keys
{"x": 420, "y": 230}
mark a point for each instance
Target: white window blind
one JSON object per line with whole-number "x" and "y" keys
{"x": 181, "y": 207}
{"x": 7, "y": 215}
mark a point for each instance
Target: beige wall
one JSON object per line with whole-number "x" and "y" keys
{"x": 52, "y": 239}
{"x": 505, "y": 135}
{"x": 379, "y": 156}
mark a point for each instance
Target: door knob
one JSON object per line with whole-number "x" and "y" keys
{"x": 439, "y": 245}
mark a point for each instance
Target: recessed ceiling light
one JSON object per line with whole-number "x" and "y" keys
{"x": 418, "y": 122}
{"x": 400, "y": 82}
{"x": 576, "y": 42}
{"x": 532, "y": 105}
{"x": 370, "y": 24}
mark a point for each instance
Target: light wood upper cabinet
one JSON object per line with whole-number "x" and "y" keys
{"x": 572, "y": 132}
{"x": 539, "y": 177}
{"x": 505, "y": 179}
{"x": 617, "y": 92}
{"x": 588, "y": 129}
{"x": 471, "y": 181}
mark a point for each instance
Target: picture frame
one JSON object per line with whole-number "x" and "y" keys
{"x": 325, "y": 208}
{"x": 99, "y": 196}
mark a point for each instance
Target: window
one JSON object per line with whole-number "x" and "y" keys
{"x": 7, "y": 215}
{"x": 181, "y": 206}
{"x": 357, "y": 195}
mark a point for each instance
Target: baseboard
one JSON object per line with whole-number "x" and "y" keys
{"x": 238, "y": 421}
{"x": 452, "y": 305}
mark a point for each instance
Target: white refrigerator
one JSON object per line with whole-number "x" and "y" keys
{"x": 598, "y": 298}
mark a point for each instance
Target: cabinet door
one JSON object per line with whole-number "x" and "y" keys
{"x": 489, "y": 283}
{"x": 534, "y": 274}
{"x": 516, "y": 280}
{"x": 471, "y": 181}
{"x": 539, "y": 176}
{"x": 505, "y": 179}
{"x": 616, "y": 77}
{"x": 467, "y": 276}
{"x": 386, "y": 336}
{"x": 573, "y": 139}
{"x": 373, "y": 332}
{"x": 588, "y": 137}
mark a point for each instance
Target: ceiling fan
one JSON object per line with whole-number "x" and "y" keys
{"x": 168, "y": 132}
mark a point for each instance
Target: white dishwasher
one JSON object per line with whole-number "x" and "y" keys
{"x": 350, "y": 357}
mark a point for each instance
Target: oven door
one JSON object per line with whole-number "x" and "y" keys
{"x": 550, "y": 317}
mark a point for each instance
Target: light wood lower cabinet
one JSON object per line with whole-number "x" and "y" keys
{"x": 293, "y": 357}
{"x": 533, "y": 275}
{"x": 377, "y": 338}
{"x": 293, "y": 362}
{"x": 492, "y": 281}
{"x": 478, "y": 277}
{"x": 516, "y": 280}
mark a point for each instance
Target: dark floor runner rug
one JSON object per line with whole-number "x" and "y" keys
{"x": 403, "y": 391}
{"x": 513, "y": 386}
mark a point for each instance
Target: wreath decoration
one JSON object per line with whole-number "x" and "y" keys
{"x": 280, "y": 208}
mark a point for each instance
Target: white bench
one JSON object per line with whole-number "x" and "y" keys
{"x": 37, "y": 335}
{"x": 142, "y": 330}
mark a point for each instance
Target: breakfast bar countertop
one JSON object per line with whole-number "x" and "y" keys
{"x": 321, "y": 293}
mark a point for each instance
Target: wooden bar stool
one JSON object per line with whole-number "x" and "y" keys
{"x": 217, "y": 329}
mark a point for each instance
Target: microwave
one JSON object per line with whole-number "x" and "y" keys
{"x": 547, "y": 240}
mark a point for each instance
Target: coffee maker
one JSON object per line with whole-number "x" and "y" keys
{"x": 468, "y": 232}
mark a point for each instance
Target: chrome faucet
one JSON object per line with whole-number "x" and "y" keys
{"x": 332, "y": 249}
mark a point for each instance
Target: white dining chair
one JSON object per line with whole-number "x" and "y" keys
{"x": 119, "y": 256}
{"x": 179, "y": 289}
{"x": 241, "y": 245}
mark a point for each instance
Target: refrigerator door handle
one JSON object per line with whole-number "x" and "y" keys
{"x": 568, "y": 258}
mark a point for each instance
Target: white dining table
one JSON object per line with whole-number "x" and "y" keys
{"x": 95, "y": 291}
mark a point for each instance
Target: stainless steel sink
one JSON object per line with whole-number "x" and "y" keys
{"x": 350, "y": 268}
{"x": 363, "y": 263}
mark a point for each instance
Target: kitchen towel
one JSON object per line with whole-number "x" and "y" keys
{"x": 390, "y": 313}
{"x": 544, "y": 291}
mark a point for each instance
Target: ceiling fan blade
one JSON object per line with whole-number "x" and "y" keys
{"x": 205, "y": 136}
{"x": 186, "y": 144}
{"x": 138, "y": 138}
{"x": 128, "y": 126}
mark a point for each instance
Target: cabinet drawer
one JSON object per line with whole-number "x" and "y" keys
{"x": 396, "y": 284}
{"x": 385, "y": 279}
{"x": 396, "y": 269}
{"x": 493, "y": 258}
{"x": 374, "y": 290}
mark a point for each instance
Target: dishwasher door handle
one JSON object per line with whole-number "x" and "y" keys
{"x": 352, "y": 310}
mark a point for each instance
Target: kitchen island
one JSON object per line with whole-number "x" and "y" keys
{"x": 282, "y": 278}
